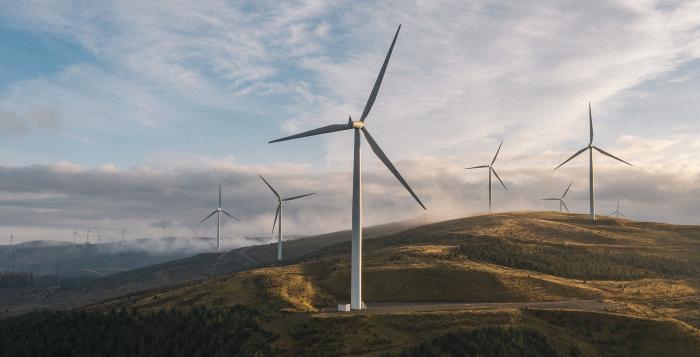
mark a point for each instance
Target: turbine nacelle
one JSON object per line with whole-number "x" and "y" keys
{"x": 356, "y": 124}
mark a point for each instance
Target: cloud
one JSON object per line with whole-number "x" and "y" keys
{"x": 42, "y": 202}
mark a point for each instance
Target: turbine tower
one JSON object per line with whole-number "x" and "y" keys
{"x": 278, "y": 213}
{"x": 12, "y": 255}
{"x": 491, "y": 169}
{"x": 617, "y": 212}
{"x": 590, "y": 149}
{"x": 561, "y": 199}
{"x": 87, "y": 237}
{"x": 218, "y": 213}
{"x": 359, "y": 126}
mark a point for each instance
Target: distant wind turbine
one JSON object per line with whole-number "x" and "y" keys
{"x": 359, "y": 126}
{"x": 561, "y": 200}
{"x": 278, "y": 213}
{"x": 491, "y": 169}
{"x": 75, "y": 236}
{"x": 218, "y": 213}
{"x": 590, "y": 149}
{"x": 617, "y": 212}
{"x": 87, "y": 237}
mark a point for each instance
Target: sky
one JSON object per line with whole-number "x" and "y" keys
{"x": 128, "y": 114}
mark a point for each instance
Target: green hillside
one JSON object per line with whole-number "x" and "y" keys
{"x": 518, "y": 282}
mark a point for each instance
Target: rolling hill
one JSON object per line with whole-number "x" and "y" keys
{"x": 556, "y": 281}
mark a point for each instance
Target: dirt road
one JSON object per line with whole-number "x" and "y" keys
{"x": 398, "y": 308}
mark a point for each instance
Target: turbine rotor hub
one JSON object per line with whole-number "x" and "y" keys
{"x": 357, "y": 124}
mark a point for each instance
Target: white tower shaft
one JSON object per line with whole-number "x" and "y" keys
{"x": 279, "y": 235}
{"x": 218, "y": 230}
{"x": 356, "y": 266}
{"x": 489, "y": 188}
{"x": 590, "y": 180}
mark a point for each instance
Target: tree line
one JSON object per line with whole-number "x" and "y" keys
{"x": 198, "y": 332}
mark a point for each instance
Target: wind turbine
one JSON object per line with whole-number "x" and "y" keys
{"x": 491, "y": 169}
{"x": 617, "y": 212}
{"x": 218, "y": 213}
{"x": 278, "y": 213}
{"x": 75, "y": 236}
{"x": 590, "y": 149}
{"x": 87, "y": 237}
{"x": 359, "y": 126}
{"x": 561, "y": 199}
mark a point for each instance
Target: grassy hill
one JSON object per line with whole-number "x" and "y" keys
{"x": 647, "y": 276}
{"x": 70, "y": 293}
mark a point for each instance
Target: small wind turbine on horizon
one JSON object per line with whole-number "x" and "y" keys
{"x": 218, "y": 213}
{"x": 278, "y": 213}
{"x": 617, "y": 212}
{"x": 76, "y": 235}
{"x": 561, "y": 199}
{"x": 358, "y": 127}
{"x": 590, "y": 149}
{"x": 87, "y": 237}
{"x": 491, "y": 169}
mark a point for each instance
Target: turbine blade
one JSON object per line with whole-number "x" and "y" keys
{"x": 277, "y": 213}
{"x": 205, "y": 218}
{"x": 497, "y": 151}
{"x": 611, "y": 155}
{"x": 300, "y": 196}
{"x": 590, "y": 121}
{"x": 219, "y": 196}
{"x": 378, "y": 151}
{"x": 572, "y": 156}
{"x": 621, "y": 214}
{"x": 567, "y": 190}
{"x": 323, "y": 130}
{"x": 226, "y": 213}
{"x": 550, "y": 199}
{"x": 270, "y": 186}
{"x": 378, "y": 82}
{"x": 499, "y": 179}
{"x": 612, "y": 213}
{"x": 477, "y": 167}
{"x": 564, "y": 204}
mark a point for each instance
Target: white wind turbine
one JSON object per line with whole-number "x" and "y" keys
{"x": 359, "y": 126}
{"x": 617, "y": 212}
{"x": 590, "y": 149}
{"x": 278, "y": 213}
{"x": 218, "y": 213}
{"x": 76, "y": 235}
{"x": 561, "y": 200}
{"x": 491, "y": 169}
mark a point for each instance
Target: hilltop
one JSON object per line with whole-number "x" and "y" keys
{"x": 178, "y": 270}
{"x": 612, "y": 273}
{"x": 548, "y": 282}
